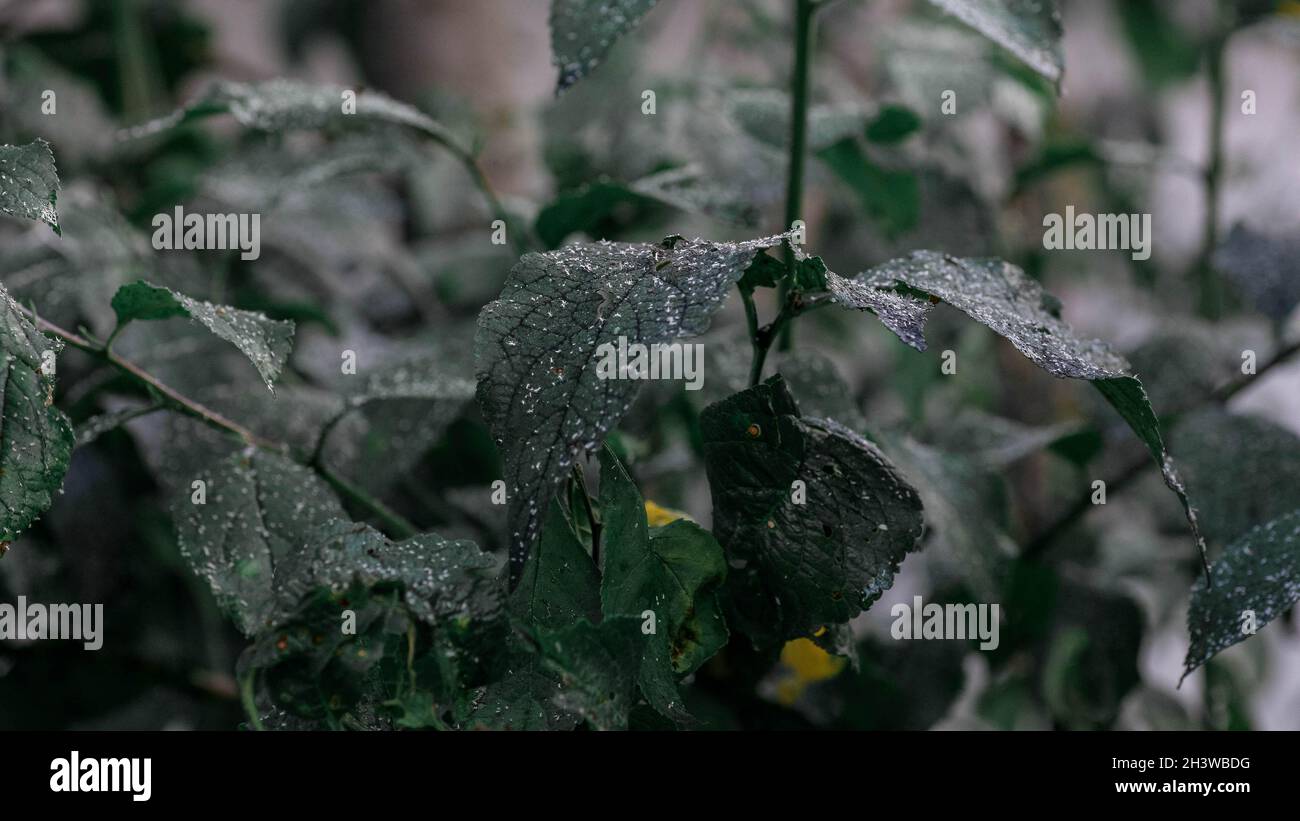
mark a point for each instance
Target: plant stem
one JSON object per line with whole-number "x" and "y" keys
{"x": 755, "y": 342}
{"x": 1209, "y": 288}
{"x": 761, "y": 338}
{"x": 480, "y": 180}
{"x": 1040, "y": 543}
{"x": 397, "y": 526}
{"x": 247, "y": 687}
{"x": 803, "y": 19}
{"x": 133, "y": 53}
{"x": 173, "y": 398}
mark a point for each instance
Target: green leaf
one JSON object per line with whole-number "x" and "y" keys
{"x": 1242, "y": 470}
{"x": 582, "y": 210}
{"x": 891, "y": 197}
{"x": 1090, "y": 657}
{"x": 398, "y": 413}
{"x": 583, "y": 31}
{"x": 266, "y": 342}
{"x": 1028, "y": 29}
{"x": 1259, "y": 572}
{"x": 695, "y": 189}
{"x": 672, "y": 571}
{"x": 998, "y": 295}
{"x": 448, "y": 584}
{"x": 364, "y": 627}
{"x": 257, "y": 509}
{"x": 892, "y": 124}
{"x": 292, "y": 105}
{"x": 964, "y": 513}
{"x": 560, "y": 585}
{"x": 901, "y": 685}
{"x": 797, "y": 567}
{"x": 764, "y": 114}
{"x": 598, "y": 667}
{"x": 1166, "y": 52}
{"x": 765, "y": 271}
{"x": 73, "y": 279}
{"x": 1264, "y": 268}
{"x": 36, "y": 439}
{"x": 809, "y": 272}
{"x": 523, "y": 698}
{"x": 311, "y": 668}
{"x": 538, "y": 350}
{"x": 29, "y": 183}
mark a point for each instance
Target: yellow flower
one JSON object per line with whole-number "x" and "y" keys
{"x": 805, "y": 664}
{"x": 657, "y": 516}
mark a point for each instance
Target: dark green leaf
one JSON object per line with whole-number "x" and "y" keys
{"x": 809, "y": 273}
{"x": 1028, "y": 29}
{"x": 523, "y": 698}
{"x": 447, "y": 584}
{"x": 377, "y": 629}
{"x": 540, "y": 383}
{"x": 965, "y": 511}
{"x": 36, "y": 439}
{"x": 999, "y": 295}
{"x": 1242, "y": 470}
{"x": 257, "y": 509}
{"x": 583, "y": 31}
{"x": 582, "y": 210}
{"x": 1090, "y": 660}
{"x": 892, "y": 197}
{"x": 1266, "y": 269}
{"x": 797, "y": 567}
{"x": 900, "y": 686}
{"x": 1166, "y": 52}
{"x": 29, "y": 183}
{"x": 291, "y": 105}
{"x": 672, "y": 571}
{"x": 266, "y": 342}
{"x": 765, "y": 272}
{"x": 892, "y": 124}
{"x": 560, "y": 585}
{"x": 694, "y": 189}
{"x": 598, "y": 667}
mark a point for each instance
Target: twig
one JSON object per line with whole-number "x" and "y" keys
{"x": 397, "y": 525}
{"x": 1209, "y": 288}
{"x": 1136, "y": 468}
{"x": 761, "y": 338}
{"x": 804, "y": 10}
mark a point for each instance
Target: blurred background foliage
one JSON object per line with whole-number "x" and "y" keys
{"x": 379, "y": 246}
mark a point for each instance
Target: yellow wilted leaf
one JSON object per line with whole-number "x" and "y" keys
{"x": 657, "y": 516}
{"x": 806, "y": 664}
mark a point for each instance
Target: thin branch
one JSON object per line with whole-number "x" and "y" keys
{"x": 804, "y": 10}
{"x": 397, "y": 526}
{"x": 1209, "y": 288}
{"x": 1048, "y": 535}
{"x": 475, "y": 171}
{"x": 761, "y": 338}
